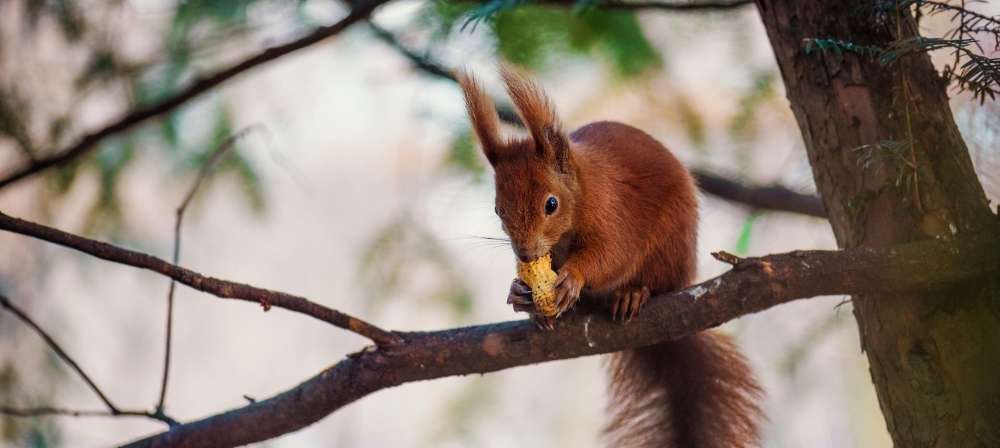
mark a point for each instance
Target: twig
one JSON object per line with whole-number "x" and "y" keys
{"x": 912, "y": 162}
{"x": 112, "y": 409}
{"x": 214, "y": 286}
{"x": 43, "y": 411}
{"x": 424, "y": 63}
{"x": 209, "y": 165}
{"x": 770, "y": 281}
{"x": 47, "y": 411}
{"x": 360, "y": 10}
{"x": 434, "y": 68}
{"x": 6, "y": 303}
{"x": 774, "y": 198}
{"x": 727, "y": 257}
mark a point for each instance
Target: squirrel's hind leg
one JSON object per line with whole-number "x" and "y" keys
{"x": 626, "y": 301}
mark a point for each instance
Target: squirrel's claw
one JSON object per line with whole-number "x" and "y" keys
{"x": 568, "y": 286}
{"x": 520, "y": 296}
{"x": 627, "y": 301}
{"x": 544, "y": 323}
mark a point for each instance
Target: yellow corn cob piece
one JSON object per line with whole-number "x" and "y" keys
{"x": 538, "y": 275}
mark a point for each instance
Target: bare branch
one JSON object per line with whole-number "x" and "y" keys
{"x": 760, "y": 283}
{"x": 360, "y": 10}
{"x": 7, "y": 304}
{"x": 214, "y": 286}
{"x": 112, "y": 409}
{"x": 424, "y": 63}
{"x": 46, "y": 411}
{"x": 437, "y": 69}
{"x": 774, "y": 198}
{"x": 209, "y": 165}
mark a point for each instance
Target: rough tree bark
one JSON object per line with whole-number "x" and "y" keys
{"x": 933, "y": 355}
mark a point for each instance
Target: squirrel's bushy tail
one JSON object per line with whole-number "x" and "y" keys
{"x": 695, "y": 392}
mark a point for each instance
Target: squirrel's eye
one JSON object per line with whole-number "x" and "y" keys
{"x": 551, "y": 204}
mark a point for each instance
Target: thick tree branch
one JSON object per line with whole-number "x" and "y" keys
{"x": 753, "y": 285}
{"x": 214, "y": 286}
{"x": 775, "y": 198}
{"x": 112, "y": 409}
{"x": 360, "y": 10}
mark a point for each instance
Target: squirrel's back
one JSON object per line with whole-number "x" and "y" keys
{"x": 640, "y": 201}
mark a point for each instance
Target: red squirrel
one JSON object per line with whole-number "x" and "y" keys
{"x": 618, "y": 213}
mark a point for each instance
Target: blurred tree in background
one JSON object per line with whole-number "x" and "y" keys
{"x": 104, "y": 64}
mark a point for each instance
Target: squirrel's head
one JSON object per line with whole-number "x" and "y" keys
{"x": 536, "y": 184}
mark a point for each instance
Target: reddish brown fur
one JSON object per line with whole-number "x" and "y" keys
{"x": 482, "y": 113}
{"x": 627, "y": 217}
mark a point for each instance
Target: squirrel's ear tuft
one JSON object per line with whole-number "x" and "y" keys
{"x": 539, "y": 116}
{"x": 483, "y": 115}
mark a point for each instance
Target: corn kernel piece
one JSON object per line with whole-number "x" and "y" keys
{"x": 538, "y": 275}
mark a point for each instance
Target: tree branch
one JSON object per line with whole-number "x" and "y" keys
{"x": 360, "y": 10}
{"x": 9, "y": 306}
{"x": 214, "y": 286}
{"x": 207, "y": 168}
{"x": 46, "y": 411}
{"x": 753, "y": 285}
{"x": 436, "y": 69}
{"x": 774, "y": 198}
{"x": 112, "y": 409}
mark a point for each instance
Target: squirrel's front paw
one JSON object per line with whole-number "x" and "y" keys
{"x": 520, "y": 296}
{"x": 568, "y": 285}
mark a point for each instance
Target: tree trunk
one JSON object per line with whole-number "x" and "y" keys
{"x": 935, "y": 356}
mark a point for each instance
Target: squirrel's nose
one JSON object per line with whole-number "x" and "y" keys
{"x": 523, "y": 254}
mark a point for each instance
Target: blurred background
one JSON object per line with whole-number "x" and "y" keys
{"x": 353, "y": 180}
